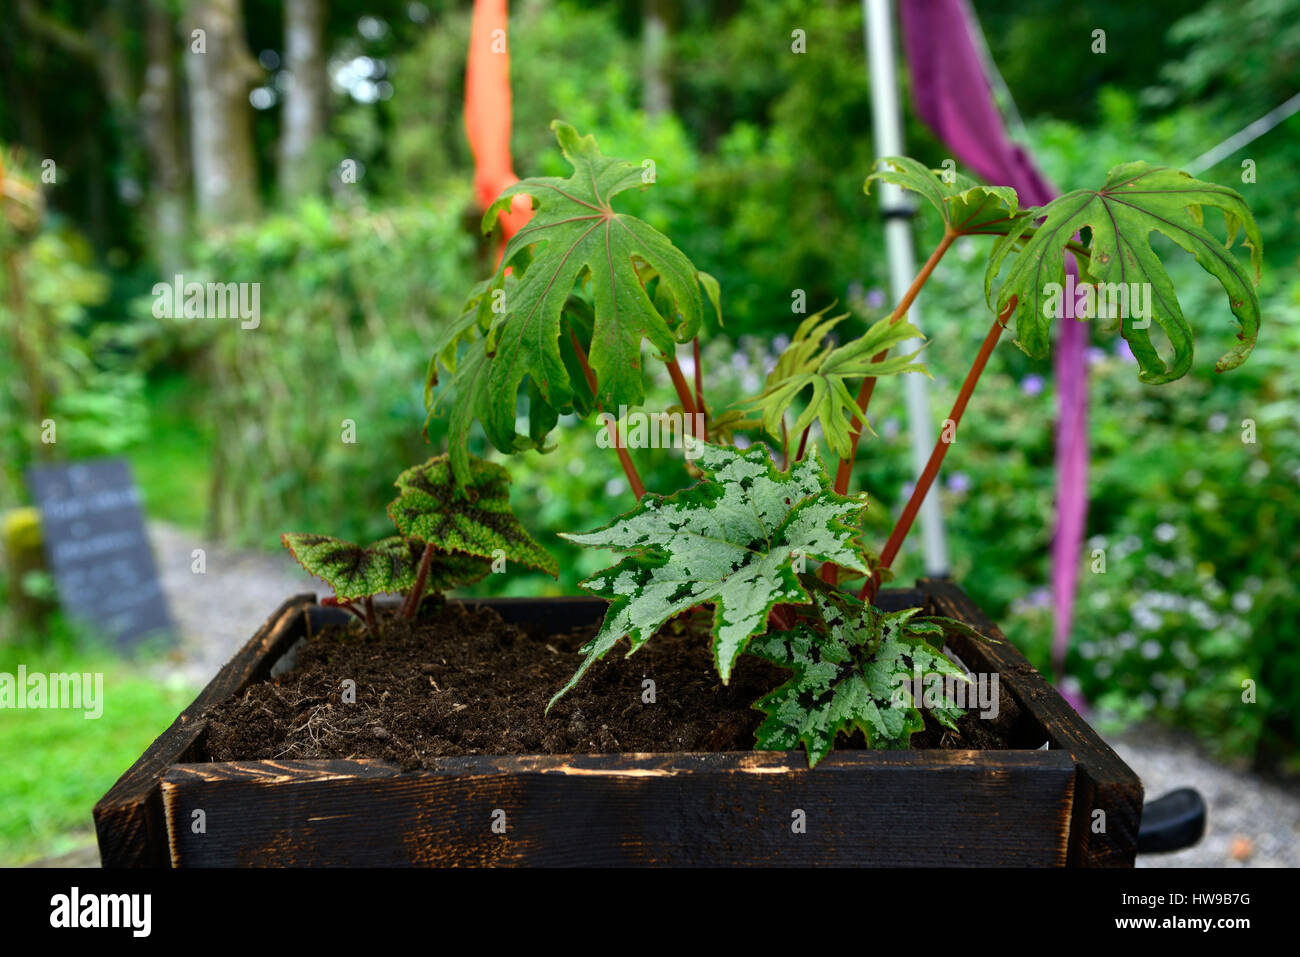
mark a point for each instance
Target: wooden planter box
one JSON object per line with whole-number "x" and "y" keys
{"x": 1025, "y": 807}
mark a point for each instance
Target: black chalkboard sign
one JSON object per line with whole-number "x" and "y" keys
{"x": 96, "y": 547}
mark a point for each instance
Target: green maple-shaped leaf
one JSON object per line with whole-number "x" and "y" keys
{"x": 576, "y": 234}
{"x": 474, "y": 519}
{"x": 732, "y": 540}
{"x": 967, "y": 207}
{"x": 472, "y": 366}
{"x": 387, "y": 567}
{"x": 471, "y": 402}
{"x": 811, "y": 362}
{"x": 713, "y": 290}
{"x": 853, "y": 669}
{"x": 1136, "y": 199}
{"x": 465, "y": 329}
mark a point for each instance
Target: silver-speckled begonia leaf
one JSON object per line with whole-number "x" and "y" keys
{"x": 733, "y": 540}
{"x": 853, "y": 669}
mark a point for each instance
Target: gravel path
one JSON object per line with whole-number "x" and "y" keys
{"x": 219, "y": 610}
{"x": 1251, "y": 822}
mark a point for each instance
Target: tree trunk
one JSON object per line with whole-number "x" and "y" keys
{"x": 158, "y": 113}
{"x": 221, "y": 71}
{"x": 301, "y": 172}
{"x": 656, "y": 91}
{"x": 105, "y": 47}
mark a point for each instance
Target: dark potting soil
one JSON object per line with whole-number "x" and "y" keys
{"x": 462, "y": 681}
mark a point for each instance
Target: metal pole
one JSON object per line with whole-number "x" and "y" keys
{"x": 887, "y": 129}
{"x": 1243, "y": 136}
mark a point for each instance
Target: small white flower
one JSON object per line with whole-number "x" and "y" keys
{"x": 1146, "y": 619}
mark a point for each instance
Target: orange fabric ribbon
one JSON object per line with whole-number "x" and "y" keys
{"x": 487, "y": 112}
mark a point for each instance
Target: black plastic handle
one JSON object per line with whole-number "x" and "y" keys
{"x": 1172, "y": 823}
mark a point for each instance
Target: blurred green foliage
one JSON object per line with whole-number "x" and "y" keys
{"x": 60, "y": 367}
{"x": 45, "y": 798}
{"x": 330, "y": 383}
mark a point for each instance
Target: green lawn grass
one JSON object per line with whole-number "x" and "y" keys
{"x": 58, "y": 763}
{"x": 172, "y": 466}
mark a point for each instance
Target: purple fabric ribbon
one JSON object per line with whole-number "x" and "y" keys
{"x": 953, "y": 95}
